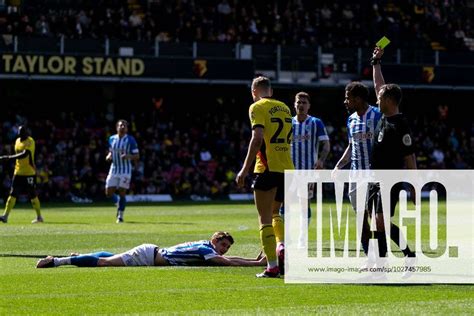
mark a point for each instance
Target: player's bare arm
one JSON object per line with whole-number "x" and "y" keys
{"x": 254, "y": 146}
{"x": 25, "y": 153}
{"x": 410, "y": 161}
{"x": 230, "y": 261}
{"x": 379, "y": 81}
{"x": 345, "y": 159}
{"x": 259, "y": 257}
{"x": 323, "y": 154}
{"x": 108, "y": 157}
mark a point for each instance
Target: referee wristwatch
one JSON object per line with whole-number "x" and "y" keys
{"x": 375, "y": 61}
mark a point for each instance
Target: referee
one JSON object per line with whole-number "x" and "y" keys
{"x": 392, "y": 149}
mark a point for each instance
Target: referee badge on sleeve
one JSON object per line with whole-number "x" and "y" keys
{"x": 406, "y": 140}
{"x": 380, "y": 138}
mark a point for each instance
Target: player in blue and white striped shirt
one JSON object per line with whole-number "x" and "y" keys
{"x": 123, "y": 150}
{"x": 309, "y": 133}
{"x": 361, "y": 126}
{"x": 195, "y": 253}
{"x": 361, "y": 129}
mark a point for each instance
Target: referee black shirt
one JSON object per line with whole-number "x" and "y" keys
{"x": 392, "y": 143}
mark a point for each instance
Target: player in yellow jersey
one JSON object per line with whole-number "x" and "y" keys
{"x": 24, "y": 176}
{"x": 270, "y": 144}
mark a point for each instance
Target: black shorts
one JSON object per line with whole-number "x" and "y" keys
{"x": 374, "y": 198}
{"x": 269, "y": 180}
{"x": 21, "y": 184}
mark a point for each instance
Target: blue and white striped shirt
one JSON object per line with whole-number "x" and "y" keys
{"x": 305, "y": 144}
{"x": 119, "y": 146}
{"x": 189, "y": 253}
{"x": 361, "y": 131}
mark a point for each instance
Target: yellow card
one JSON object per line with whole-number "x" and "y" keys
{"x": 383, "y": 42}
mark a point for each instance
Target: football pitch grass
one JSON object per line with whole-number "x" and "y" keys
{"x": 177, "y": 290}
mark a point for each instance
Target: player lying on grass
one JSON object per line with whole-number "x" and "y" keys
{"x": 196, "y": 253}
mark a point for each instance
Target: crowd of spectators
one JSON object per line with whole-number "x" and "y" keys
{"x": 201, "y": 160}
{"x": 442, "y": 143}
{"x": 409, "y": 23}
{"x": 183, "y": 160}
{"x": 174, "y": 158}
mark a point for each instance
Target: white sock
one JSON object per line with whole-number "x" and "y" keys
{"x": 120, "y": 214}
{"x": 62, "y": 261}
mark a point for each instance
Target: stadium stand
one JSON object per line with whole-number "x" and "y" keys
{"x": 202, "y": 159}
{"x": 436, "y": 24}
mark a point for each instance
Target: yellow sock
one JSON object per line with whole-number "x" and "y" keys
{"x": 279, "y": 228}
{"x": 9, "y": 205}
{"x": 36, "y": 205}
{"x": 267, "y": 237}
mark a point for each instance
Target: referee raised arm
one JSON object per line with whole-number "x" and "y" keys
{"x": 392, "y": 149}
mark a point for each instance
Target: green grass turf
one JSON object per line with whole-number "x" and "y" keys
{"x": 183, "y": 290}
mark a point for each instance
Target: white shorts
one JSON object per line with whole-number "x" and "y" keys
{"x": 118, "y": 181}
{"x": 311, "y": 188}
{"x": 353, "y": 195}
{"x": 143, "y": 255}
{"x": 353, "y": 187}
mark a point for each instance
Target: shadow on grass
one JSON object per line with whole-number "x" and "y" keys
{"x": 65, "y": 223}
{"x": 13, "y": 255}
{"x": 312, "y": 251}
{"x": 413, "y": 284}
{"x": 156, "y": 223}
{"x": 124, "y": 223}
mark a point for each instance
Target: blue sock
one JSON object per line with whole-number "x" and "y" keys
{"x": 101, "y": 254}
{"x": 121, "y": 204}
{"x": 85, "y": 261}
{"x": 115, "y": 198}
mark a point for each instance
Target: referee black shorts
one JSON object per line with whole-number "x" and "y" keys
{"x": 374, "y": 198}
{"x": 23, "y": 184}
{"x": 269, "y": 180}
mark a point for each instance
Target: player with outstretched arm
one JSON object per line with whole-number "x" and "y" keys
{"x": 24, "y": 175}
{"x": 195, "y": 253}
